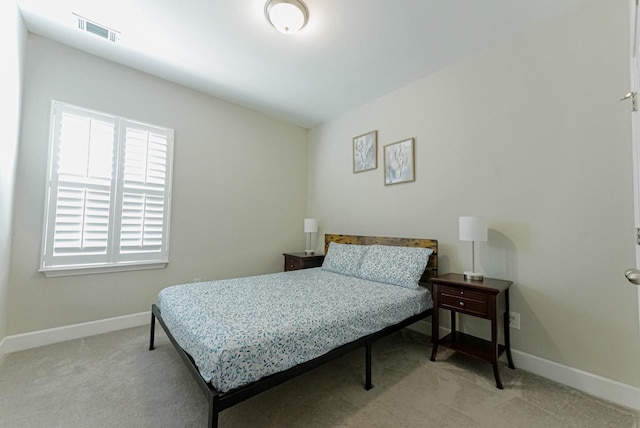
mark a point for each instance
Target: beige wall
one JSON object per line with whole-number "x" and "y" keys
{"x": 12, "y": 50}
{"x": 531, "y": 135}
{"x": 239, "y": 189}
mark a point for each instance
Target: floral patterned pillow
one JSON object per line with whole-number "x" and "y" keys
{"x": 344, "y": 258}
{"x": 401, "y": 266}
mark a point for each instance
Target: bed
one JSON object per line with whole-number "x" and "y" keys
{"x": 239, "y": 337}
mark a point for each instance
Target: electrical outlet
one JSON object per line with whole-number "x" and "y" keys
{"x": 197, "y": 279}
{"x": 514, "y": 320}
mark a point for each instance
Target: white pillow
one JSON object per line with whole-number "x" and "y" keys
{"x": 344, "y": 258}
{"x": 401, "y": 266}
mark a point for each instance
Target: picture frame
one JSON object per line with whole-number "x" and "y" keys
{"x": 399, "y": 162}
{"x": 365, "y": 152}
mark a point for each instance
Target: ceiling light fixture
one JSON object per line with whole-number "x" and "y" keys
{"x": 287, "y": 16}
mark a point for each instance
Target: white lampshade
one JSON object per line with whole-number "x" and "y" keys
{"x": 287, "y": 16}
{"x": 473, "y": 228}
{"x": 310, "y": 225}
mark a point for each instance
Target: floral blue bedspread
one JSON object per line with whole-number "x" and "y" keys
{"x": 240, "y": 330}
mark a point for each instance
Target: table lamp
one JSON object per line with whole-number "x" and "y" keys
{"x": 310, "y": 226}
{"x": 473, "y": 229}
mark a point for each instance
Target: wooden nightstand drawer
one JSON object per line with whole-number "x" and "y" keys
{"x": 295, "y": 261}
{"x": 464, "y": 305}
{"x": 292, "y": 263}
{"x": 458, "y": 292}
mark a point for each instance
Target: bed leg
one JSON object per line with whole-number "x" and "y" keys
{"x": 367, "y": 351}
{"x": 153, "y": 331}
{"x": 213, "y": 412}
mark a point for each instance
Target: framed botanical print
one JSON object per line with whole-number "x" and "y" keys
{"x": 399, "y": 162}
{"x": 365, "y": 152}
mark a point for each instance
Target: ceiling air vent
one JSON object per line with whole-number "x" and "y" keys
{"x": 94, "y": 28}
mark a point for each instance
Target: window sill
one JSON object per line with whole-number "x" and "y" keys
{"x": 53, "y": 272}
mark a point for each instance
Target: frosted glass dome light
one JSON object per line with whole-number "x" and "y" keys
{"x": 287, "y": 16}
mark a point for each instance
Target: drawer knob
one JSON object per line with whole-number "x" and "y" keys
{"x": 461, "y": 303}
{"x": 462, "y": 293}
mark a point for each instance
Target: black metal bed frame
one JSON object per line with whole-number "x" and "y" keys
{"x": 221, "y": 401}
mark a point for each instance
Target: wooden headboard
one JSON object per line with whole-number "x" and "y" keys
{"x": 432, "y": 267}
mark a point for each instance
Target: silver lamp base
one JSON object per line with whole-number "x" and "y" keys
{"x": 474, "y": 276}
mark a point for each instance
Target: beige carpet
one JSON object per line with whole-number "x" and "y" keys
{"x": 112, "y": 380}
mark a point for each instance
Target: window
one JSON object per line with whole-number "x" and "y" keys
{"x": 108, "y": 193}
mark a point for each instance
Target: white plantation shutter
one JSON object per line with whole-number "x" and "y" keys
{"x": 109, "y": 192}
{"x": 144, "y": 188}
{"x": 81, "y": 221}
{"x": 80, "y": 188}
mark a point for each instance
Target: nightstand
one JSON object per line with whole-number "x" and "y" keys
{"x": 479, "y": 299}
{"x": 295, "y": 261}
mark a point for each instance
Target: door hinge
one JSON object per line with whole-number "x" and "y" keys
{"x": 634, "y": 100}
{"x": 637, "y": 235}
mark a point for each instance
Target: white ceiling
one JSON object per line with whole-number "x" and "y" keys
{"x": 351, "y": 51}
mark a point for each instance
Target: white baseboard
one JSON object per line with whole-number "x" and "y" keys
{"x": 21, "y": 342}
{"x": 601, "y": 387}
{"x": 592, "y": 384}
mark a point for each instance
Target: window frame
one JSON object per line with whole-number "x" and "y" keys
{"x": 112, "y": 259}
